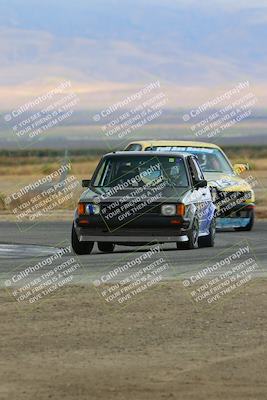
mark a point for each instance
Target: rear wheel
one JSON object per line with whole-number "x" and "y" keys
{"x": 105, "y": 247}
{"x": 208, "y": 241}
{"x": 192, "y": 242}
{"x": 249, "y": 226}
{"x": 80, "y": 247}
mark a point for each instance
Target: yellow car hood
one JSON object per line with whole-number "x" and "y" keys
{"x": 227, "y": 183}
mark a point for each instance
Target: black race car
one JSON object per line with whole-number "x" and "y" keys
{"x": 143, "y": 197}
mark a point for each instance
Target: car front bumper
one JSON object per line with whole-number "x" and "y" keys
{"x": 237, "y": 217}
{"x": 222, "y": 223}
{"x": 142, "y": 238}
{"x": 158, "y": 230}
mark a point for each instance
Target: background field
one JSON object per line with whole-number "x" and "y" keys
{"x": 21, "y": 167}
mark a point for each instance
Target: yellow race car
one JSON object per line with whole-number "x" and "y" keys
{"x": 233, "y": 196}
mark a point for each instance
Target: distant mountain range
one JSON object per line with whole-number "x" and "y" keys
{"x": 109, "y": 47}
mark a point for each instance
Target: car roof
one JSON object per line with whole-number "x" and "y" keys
{"x": 147, "y": 153}
{"x": 183, "y": 143}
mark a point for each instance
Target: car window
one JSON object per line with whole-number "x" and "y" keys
{"x": 135, "y": 171}
{"x": 211, "y": 160}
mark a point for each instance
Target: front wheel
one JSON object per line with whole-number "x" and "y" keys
{"x": 105, "y": 247}
{"x": 192, "y": 242}
{"x": 208, "y": 241}
{"x": 80, "y": 247}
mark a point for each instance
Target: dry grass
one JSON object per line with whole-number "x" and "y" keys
{"x": 19, "y": 169}
{"x": 18, "y": 173}
{"x": 259, "y": 164}
{"x": 86, "y": 168}
{"x": 14, "y": 177}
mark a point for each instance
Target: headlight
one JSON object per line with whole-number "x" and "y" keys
{"x": 168, "y": 209}
{"x": 88, "y": 209}
{"x": 92, "y": 209}
{"x": 173, "y": 209}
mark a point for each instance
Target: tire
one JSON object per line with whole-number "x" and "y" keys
{"x": 80, "y": 247}
{"x": 208, "y": 241}
{"x": 105, "y": 247}
{"x": 192, "y": 242}
{"x": 249, "y": 226}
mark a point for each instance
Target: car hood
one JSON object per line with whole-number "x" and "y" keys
{"x": 228, "y": 183}
{"x": 102, "y": 195}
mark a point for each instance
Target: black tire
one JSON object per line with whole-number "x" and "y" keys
{"x": 192, "y": 242}
{"x": 209, "y": 240}
{"x": 80, "y": 247}
{"x": 249, "y": 226}
{"x": 106, "y": 247}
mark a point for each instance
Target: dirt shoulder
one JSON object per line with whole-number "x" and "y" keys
{"x": 159, "y": 347}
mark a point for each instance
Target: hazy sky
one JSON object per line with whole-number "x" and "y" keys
{"x": 108, "y": 47}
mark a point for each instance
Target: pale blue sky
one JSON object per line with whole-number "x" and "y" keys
{"x": 187, "y": 43}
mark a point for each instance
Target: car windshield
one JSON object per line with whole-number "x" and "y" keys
{"x": 136, "y": 171}
{"x": 211, "y": 160}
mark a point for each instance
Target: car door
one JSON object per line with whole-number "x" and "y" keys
{"x": 202, "y": 197}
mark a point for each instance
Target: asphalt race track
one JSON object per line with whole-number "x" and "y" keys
{"x": 42, "y": 240}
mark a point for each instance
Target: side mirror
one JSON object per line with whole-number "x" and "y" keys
{"x": 201, "y": 184}
{"x": 239, "y": 168}
{"x": 86, "y": 182}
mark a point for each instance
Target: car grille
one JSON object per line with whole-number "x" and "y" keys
{"x": 138, "y": 207}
